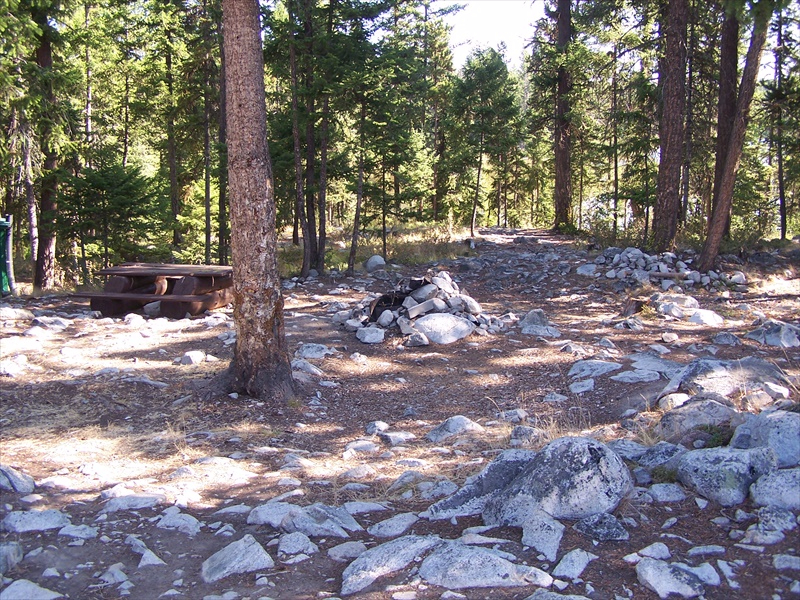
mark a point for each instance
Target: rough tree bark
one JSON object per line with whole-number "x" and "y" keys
{"x": 45, "y": 273}
{"x": 726, "y": 103}
{"x": 563, "y": 132}
{"x": 719, "y": 216}
{"x": 299, "y": 207}
{"x": 260, "y": 365}
{"x": 673, "y": 86}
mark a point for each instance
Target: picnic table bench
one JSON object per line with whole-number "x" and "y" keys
{"x": 181, "y": 289}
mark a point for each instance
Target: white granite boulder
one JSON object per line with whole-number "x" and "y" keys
{"x": 779, "y": 430}
{"x": 724, "y": 475}
{"x": 443, "y": 328}
{"x": 457, "y": 425}
{"x": 570, "y": 478}
{"x": 780, "y": 489}
{"x": 476, "y": 491}
{"x": 374, "y": 263}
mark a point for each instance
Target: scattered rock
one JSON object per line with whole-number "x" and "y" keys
{"x": 10, "y": 556}
{"x": 393, "y": 526}
{"x": 573, "y": 563}
{"x": 603, "y": 527}
{"x": 347, "y": 551}
{"x": 666, "y": 579}
{"x": 592, "y": 368}
{"x": 776, "y": 333}
{"x": 243, "y": 556}
{"x": 698, "y": 412}
{"x": 536, "y": 323}
{"x": 12, "y": 480}
{"x": 453, "y": 426}
{"x": 542, "y": 532}
{"x": 457, "y": 566}
{"x": 478, "y": 489}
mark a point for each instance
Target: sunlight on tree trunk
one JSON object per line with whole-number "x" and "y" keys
{"x": 260, "y": 365}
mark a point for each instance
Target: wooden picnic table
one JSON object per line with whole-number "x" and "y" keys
{"x": 181, "y": 289}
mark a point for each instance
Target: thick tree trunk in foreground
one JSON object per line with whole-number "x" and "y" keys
{"x": 673, "y": 86}
{"x": 747, "y": 87}
{"x": 260, "y": 365}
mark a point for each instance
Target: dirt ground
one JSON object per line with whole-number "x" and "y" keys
{"x": 66, "y": 417}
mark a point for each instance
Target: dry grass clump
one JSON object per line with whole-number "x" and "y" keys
{"x": 410, "y": 245}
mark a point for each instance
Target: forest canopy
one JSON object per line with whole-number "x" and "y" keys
{"x": 633, "y": 121}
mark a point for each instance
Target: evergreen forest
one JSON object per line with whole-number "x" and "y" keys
{"x": 655, "y": 123}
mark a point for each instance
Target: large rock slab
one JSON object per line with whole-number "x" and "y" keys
{"x": 776, "y": 333}
{"x": 23, "y": 589}
{"x": 779, "y": 488}
{"x": 592, "y": 368}
{"x": 133, "y": 502}
{"x": 20, "y": 521}
{"x": 383, "y": 560}
{"x": 271, "y": 513}
{"x": 725, "y": 377}
{"x": 542, "y": 533}
{"x": 12, "y": 480}
{"x": 320, "y": 520}
{"x": 457, "y": 566}
{"x": 473, "y": 495}
{"x": 243, "y": 556}
{"x": 779, "y": 430}
{"x": 442, "y": 328}
{"x": 570, "y": 478}
{"x": 679, "y": 421}
{"x": 724, "y": 475}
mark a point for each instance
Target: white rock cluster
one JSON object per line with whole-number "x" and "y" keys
{"x": 665, "y": 270}
{"x": 430, "y": 310}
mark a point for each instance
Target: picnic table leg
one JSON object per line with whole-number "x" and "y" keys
{"x": 192, "y": 286}
{"x": 108, "y": 307}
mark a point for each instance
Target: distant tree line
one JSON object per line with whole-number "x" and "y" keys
{"x": 653, "y": 123}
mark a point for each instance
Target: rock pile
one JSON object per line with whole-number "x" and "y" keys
{"x": 634, "y": 267}
{"x": 425, "y": 310}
